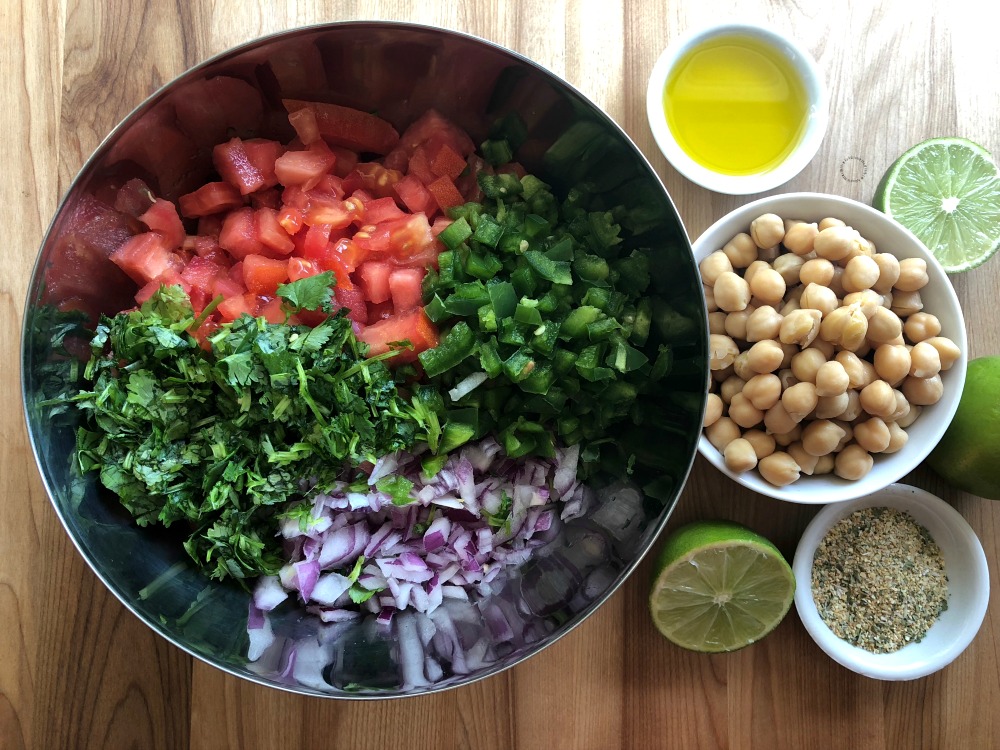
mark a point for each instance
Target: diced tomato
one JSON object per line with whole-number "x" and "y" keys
{"x": 202, "y": 332}
{"x": 239, "y": 235}
{"x": 445, "y": 193}
{"x": 306, "y": 127}
{"x": 381, "y": 311}
{"x": 146, "y": 257}
{"x": 429, "y": 126}
{"x": 262, "y": 275}
{"x": 415, "y": 196}
{"x": 513, "y": 168}
{"x": 350, "y": 253}
{"x": 134, "y": 198}
{"x": 271, "y": 310}
{"x": 405, "y": 288}
{"x": 228, "y": 286}
{"x": 162, "y": 217}
{"x": 301, "y": 268}
{"x": 305, "y": 168}
{"x": 440, "y": 224}
{"x": 407, "y": 241}
{"x": 447, "y": 162}
{"x": 169, "y": 278}
{"x": 420, "y": 166}
{"x": 378, "y": 210}
{"x": 202, "y": 273}
{"x": 210, "y": 198}
{"x": 373, "y": 277}
{"x": 263, "y": 153}
{"x": 291, "y": 219}
{"x": 374, "y": 179}
{"x": 413, "y": 326}
{"x": 268, "y": 198}
{"x": 354, "y": 301}
{"x": 233, "y": 307}
{"x": 347, "y": 160}
{"x": 312, "y": 243}
{"x": 272, "y": 234}
{"x": 468, "y": 183}
{"x": 233, "y": 163}
{"x": 332, "y": 212}
{"x": 211, "y": 226}
{"x": 349, "y": 127}
{"x": 205, "y": 247}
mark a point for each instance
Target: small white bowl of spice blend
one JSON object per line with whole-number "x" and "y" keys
{"x": 894, "y": 585}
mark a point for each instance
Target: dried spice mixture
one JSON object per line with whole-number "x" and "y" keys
{"x": 879, "y": 580}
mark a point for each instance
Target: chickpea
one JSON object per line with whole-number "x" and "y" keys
{"x": 713, "y": 409}
{"x": 740, "y": 456}
{"x": 720, "y": 376}
{"x": 799, "y": 237}
{"x": 731, "y": 386}
{"x": 888, "y": 266}
{"x": 892, "y": 363}
{"x": 831, "y": 407}
{"x": 883, "y": 326}
{"x": 851, "y": 363}
{"x": 837, "y": 242}
{"x": 799, "y": 400}
{"x": 763, "y": 391}
{"x": 763, "y": 444}
{"x": 800, "y": 327}
{"x": 816, "y": 271}
{"x": 822, "y": 298}
{"x": 853, "y": 462}
{"x": 714, "y": 264}
{"x": 868, "y": 300}
{"x": 947, "y": 349}
{"x": 768, "y": 286}
{"x": 722, "y": 432}
{"x": 821, "y": 437}
{"x": 828, "y": 349}
{"x": 860, "y": 273}
{"x": 912, "y": 275}
{"x": 779, "y": 469}
{"x": 878, "y": 399}
{"x": 736, "y": 323}
{"x": 744, "y": 413}
{"x": 763, "y": 323}
{"x": 921, "y": 326}
{"x": 740, "y": 250}
{"x": 770, "y": 254}
{"x": 924, "y": 360}
{"x": 765, "y": 356}
{"x": 767, "y": 230}
{"x": 864, "y": 350}
{"x": 923, "y": 391}
{"x": 785, "y": 439}
{"x": 709, "y": 294}
{"x": 753, "y": 268}
{"x": 731, "y": 292}
{"x": 807, "y": 363}
{"x": 722, "y": 351}
{"x": 831, "y": 222}
{"x": 837, "y": 282}
{"x": 789, "y": 266}
{"x": 806, "y": 461}
{"x": 832, "y": 379}
{"x": 792, "y": 301}
{"x": 910, "y": 417}
{"x": 872, "y": 435}
{"x": 854, "y": 409}
{"x": 845, "y": 327}
{"x": 778, "y": 421}
{"x": 787, "y": 378}
{"x": 905, "y": 304}
{"x": 902, "y": 407}
{"x": 717, "y": 322}
{"x": 824, "y": 465}
{"x": 789, "y": 350}
{"x": 741, "y": 366}
{"x": 897, "y": 438}
{"x": 848, "y": 434}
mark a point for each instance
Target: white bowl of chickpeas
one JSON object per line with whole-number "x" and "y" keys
{"x": 837, "y": 344}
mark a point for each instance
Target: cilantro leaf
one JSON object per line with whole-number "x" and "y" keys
{"x": 397, "y": 487}
{"x": 310, "y": 293}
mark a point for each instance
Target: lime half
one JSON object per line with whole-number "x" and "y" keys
{"x": 719, "y": 587}
{"x": 947, "y": 192}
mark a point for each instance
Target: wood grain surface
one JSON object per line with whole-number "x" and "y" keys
{"x": 79, "y": 671}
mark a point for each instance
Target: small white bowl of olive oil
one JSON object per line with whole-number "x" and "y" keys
{"x": 737, "y": 108}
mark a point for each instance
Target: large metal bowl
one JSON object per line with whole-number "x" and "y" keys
{"x": 398, "y": 70}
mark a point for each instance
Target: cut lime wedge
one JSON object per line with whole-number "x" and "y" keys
{"x": 947, "y": 192}
{"x": 720, "y": 587}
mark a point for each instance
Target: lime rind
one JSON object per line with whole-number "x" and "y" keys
{"x": 947, "y": 192}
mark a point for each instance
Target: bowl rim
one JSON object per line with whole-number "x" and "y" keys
{"x": 798, "y": 492}
{"x": 100, "y": 151}
{"x": 957, "y": 540}
{"x": 817, "y": 115}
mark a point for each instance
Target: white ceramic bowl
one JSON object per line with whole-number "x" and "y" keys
{"x": 818, "y": 113}
{"x": 938, "y": 297}
{"x": 968, "y": 587}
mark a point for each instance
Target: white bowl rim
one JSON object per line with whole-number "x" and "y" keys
{"x": 828, "y": 205}
{"x": 960, "y": 547}
{"x": 795, "y": 162}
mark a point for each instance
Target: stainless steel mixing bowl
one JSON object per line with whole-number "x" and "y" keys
{"x": 398, "y": 70}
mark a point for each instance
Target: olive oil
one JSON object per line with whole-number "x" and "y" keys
{"x": 736, "y": 105}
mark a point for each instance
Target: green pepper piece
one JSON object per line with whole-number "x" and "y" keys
{"x": 436, "y": 309}
{"x": 545, "y": 337}
{"x": 534, "y": 225}
{"x": 527, "y": 312}
{"x": 539, "y": 380}
{"x": 454, "y": 347}
{"x": 518, "y": 366}
{"x": 489, "y": 358}
{"x": 556, "y": 271}
{"x": 483, "y": 265}
{"x": 487, "y": 319}
{"x": 602, "y": 329}
{"x": 561, "y": 250}
{"x": 488, "y": 231}
{"x": 525, "y": 282}
{"x": 503, "y": 185}
{"x": 503, "y": 298}
{"x": 456, "y": 233}
{"x": 592, "y": 268}
{"x": 575, "y": 324}
{"x": 496, "y": 151}
{"x": 512, "y": 332}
